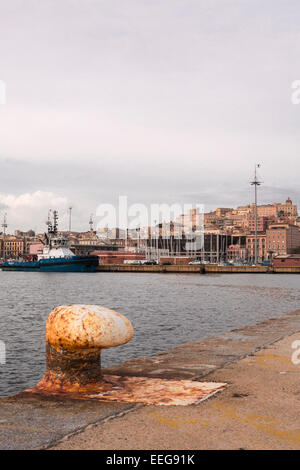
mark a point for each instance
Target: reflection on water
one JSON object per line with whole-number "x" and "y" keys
{"x": 165, "y": 309}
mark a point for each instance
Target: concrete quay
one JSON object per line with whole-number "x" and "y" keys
{"x": 196, "y": 268}
{"x": 258, "y": 409}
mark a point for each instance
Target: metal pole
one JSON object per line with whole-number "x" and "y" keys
{"x": 70, "y": 218}
{"x": 255, "y": 246}
{"x": 255, "y": 183}
{"x": 4, "y": 225}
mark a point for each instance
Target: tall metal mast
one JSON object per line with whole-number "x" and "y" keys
{"x": 70, "y": 218}
{"x": 156, "y": 240}
{"x": 55, "y": 222}
{"x": 91, "y": 222}
{"x": 4, "y": 225}
{"x": 48, "y": 222}
{"x": 138, "y": 229}
{"x": 255, "y": 183}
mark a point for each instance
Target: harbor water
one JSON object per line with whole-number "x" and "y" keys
{"x": 166, "y": 310}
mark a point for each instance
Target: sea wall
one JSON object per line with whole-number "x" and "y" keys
{"x": 209, "y": 268}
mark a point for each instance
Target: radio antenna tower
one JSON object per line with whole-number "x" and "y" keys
{"x": 4, "y": 226}
{"x": 255, "y": 183}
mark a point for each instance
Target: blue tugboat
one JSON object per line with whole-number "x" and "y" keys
{"x": 55, "y": 256}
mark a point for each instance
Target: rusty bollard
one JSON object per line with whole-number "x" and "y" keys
{"x": 75, "y": 336}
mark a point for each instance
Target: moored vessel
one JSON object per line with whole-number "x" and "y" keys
{"x": 56, "y": 256}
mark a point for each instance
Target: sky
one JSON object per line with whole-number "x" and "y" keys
{"x": 164, "y": 101}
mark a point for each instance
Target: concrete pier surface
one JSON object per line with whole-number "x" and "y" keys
{"x": 259, "y": 409}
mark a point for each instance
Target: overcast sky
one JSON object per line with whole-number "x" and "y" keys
{"x": 161, "y": 100}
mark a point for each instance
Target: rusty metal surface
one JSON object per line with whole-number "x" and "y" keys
{"x": 72, "y": 367}
{"x": 129, "y": 390}
{"x": 86, "y": 328}
{"x": 75, "y": 336}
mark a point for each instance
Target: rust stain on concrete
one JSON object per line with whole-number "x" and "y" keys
{"x": 130, "y": 390}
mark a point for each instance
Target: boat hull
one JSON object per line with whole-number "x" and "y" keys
{"x": 74, "y": 264}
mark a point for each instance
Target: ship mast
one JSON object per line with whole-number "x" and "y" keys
{"x": 91, "y": 223}
{"x": 255, "y": 183}
{"x": 48, "y": 222}
{"x": 55, "y": 222}
{"x": 52, "y": 225}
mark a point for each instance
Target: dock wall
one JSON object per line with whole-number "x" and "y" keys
{"x": 211, "y": 268}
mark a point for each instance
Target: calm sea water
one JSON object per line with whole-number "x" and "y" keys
{"x": 165, "y": 309}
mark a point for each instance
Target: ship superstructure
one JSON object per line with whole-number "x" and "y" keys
{"x": 56, "y": 255}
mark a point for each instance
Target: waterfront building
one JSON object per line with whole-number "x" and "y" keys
{"x": 287, "y": 261}
{"x": 13, "y": 247}
{"x": 282, "y": 239}
{"x": 237, "y": 253}
{"x": 261, "y": 247}
{"x": 117, "y": 257}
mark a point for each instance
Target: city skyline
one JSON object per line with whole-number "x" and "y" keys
{"x": 175, "y": 216}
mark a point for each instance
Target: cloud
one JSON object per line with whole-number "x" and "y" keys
{"x": 36, "y": 200}
{"x": 29, "y": 210}
{"x": 162, "y": 101}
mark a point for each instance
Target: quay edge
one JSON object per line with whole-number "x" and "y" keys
{"x": 202, "y": 269}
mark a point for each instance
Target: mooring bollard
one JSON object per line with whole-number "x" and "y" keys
{"x": 75, "y": 336}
